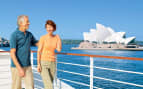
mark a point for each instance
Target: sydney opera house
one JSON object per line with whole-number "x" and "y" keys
{"x": 106, "y": 34}
{"x": 106, "y": 38}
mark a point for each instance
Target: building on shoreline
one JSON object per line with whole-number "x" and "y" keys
{"x": 106, "y": 34}
{"x": 4, "y": 42}
{"x": 106, "y": 38}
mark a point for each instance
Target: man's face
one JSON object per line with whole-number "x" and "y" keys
{"x": 25, "y": 24}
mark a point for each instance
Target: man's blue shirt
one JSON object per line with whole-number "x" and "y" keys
{"x": 22, "y": 42}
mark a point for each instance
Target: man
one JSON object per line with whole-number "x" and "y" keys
{"x": 20, "y": 43}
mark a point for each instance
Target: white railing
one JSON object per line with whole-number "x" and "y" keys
{"x": 91, "y": 68}
{"x": 80, "y": 83}
{"x": 91, "y": 76}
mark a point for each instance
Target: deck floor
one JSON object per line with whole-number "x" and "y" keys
{"x": 5, "y": 76}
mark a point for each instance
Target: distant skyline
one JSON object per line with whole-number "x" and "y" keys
{"x": 73, "y": 17}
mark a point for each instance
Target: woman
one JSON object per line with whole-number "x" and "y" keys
{"x": 46, "y": 54}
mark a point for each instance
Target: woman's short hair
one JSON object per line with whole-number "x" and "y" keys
{"x": 52, "y": 23}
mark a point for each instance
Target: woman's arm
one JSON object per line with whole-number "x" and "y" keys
{"x": 59, "y": 44}
{"x": 40, "y": 48}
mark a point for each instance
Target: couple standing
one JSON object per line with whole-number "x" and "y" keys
{"x": 20, "y": 43}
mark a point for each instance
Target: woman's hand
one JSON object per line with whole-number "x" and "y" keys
{"x": 39, "y": 68}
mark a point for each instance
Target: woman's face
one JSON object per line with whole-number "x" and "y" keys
{"x": 49, "y": 28}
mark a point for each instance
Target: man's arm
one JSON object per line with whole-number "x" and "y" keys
{"x": 13, "y": 43}
{"x": 34, "y": 41}
{"x": 13, "y": 56}
{"x": 18, "y": 66}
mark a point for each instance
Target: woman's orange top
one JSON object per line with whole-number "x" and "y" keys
{"x": 47, "y": 46}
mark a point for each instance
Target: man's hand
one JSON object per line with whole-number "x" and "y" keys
{"x": 21, "y": 72}
{"x": 37, "y": 44}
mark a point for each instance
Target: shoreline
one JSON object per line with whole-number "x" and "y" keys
{"x": 124, "y": 49}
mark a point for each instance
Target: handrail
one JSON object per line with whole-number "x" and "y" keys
{"x": 103, "y": 56}
{"x": 4, "y": 51}
{"x": 97, "y": 56}
{"x": 92, "y": 67}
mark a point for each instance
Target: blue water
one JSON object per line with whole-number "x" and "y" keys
{"x": 100, "y": 62}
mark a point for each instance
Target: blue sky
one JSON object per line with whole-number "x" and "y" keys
{"x": 73, "y": 17}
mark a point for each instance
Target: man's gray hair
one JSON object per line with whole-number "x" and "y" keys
{"x": 21, "y": 19}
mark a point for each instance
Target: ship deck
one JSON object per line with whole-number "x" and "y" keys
{"x": 5, "y": 76}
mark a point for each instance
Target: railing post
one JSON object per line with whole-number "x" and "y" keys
{"x": 91, "y": 72}
{"x": 32, "y": 58}
{"x": 56, "y": 71}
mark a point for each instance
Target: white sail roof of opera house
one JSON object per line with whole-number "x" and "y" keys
{"x": 106, "y": 34}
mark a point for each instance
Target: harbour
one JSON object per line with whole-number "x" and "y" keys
{"x": 74, "y": 44}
